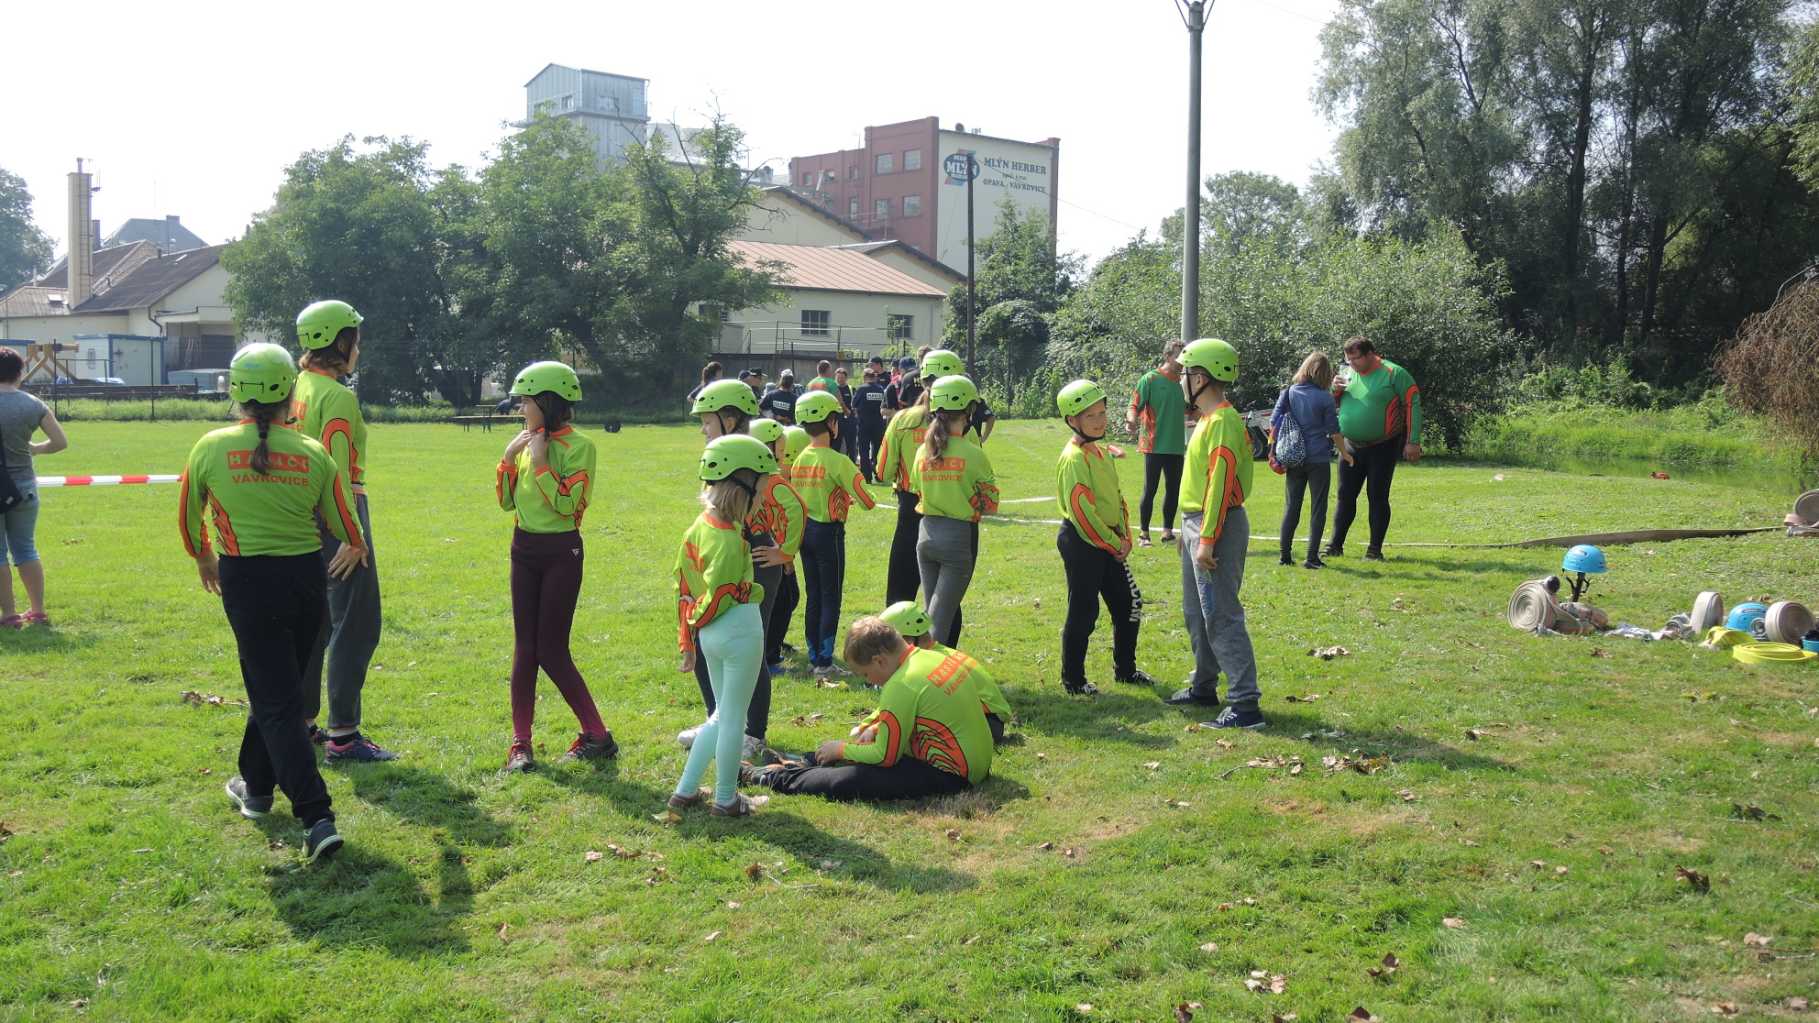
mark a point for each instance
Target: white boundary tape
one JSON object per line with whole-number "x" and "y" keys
{"x": 103, "y": 481}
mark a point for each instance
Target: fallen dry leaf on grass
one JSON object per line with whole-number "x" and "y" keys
{"x": 1385, "y": 969}
{"x": 505, "y": 934}
{"x": 1751, "y": 812}
{"x": 830, "y": 684}
{"x": 1453, "y": 922}
{"x": 734, "y": 905}
{"x": 1725, "y": 1009}
{"x": 658, "y": 876}
{"x": 594, "y": 856}
{"x": 1362, "y": 1015}
{"x": 1210, "y": 947}
{"x": 1755, "y": 940}
{"x": 1070, "y": 852}
{"x": 1699, "y": 882}
{"x": 1177, "y": 804}
{"x": 1309, "y": 698}
{"x": 1283, "y": 1017}
{"x": 667, "y": 818}
{"x": 1796, "y": 1003}
{"x": 1084, "y": 1008}
{"x": 1473, "y": 734}
{"x": 1044, "y": 846}
{"x": 6, "y": 831}
{"x": 621, "y": 851}
{"x": 209, "y": 699}
{"x": 713, "y": 936}
{"x": 953, "y": 834}
{"x": 1184, "y": 1011}
{"x": 1599, "y": 651}
{"x": 804, "y": 720}
{"x": 1407, "y": 795}
{"x": 1223, "y": 743}
{"x": 1262, "y": 980}
{"x": 1327, "y": 653}
{"x": 754, "y": 871}
{"x": 1151, "y": 765}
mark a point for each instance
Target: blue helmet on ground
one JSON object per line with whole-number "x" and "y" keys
{"x": 1749, "y": 617}
{"x": 1583, "y": 558}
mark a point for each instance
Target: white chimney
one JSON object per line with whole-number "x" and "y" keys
{"x": 81, "y": 242}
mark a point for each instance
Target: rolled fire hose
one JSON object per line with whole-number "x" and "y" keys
{"x": 1533, "y": 607}
{"x": 1788, "y": 621}
{"x": 1772, "y": 653}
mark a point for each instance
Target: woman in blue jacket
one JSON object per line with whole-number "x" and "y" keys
{"x": 1308, "y": 402}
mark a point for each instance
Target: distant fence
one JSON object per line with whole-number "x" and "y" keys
{"x": 55, "y": 394}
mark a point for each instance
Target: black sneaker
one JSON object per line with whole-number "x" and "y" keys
{"x": 586, "y": 747}
{"x": 1080, "y": 688}
{"x": 1333, "y": 551}
{"x": 1191, "y": 697}
{"x": 1286, "y": 560}
{"x": 251, "y": 807}
{"x": 317, "y": 736}
{"x": 1136, "y": 677}
{"x": 1370, "y": 555}
{"x": 355, "y": 749}
{"x": 1234, "y": 717}
{"x": 1313, "y": 563}
{"x": 322, "y": 842}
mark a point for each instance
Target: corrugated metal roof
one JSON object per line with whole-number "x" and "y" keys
{"x": 832, "y": 269}
{"x": 153, "y": 280}
{"x": 106, "y": 262}
{"x": 31, "y": 300}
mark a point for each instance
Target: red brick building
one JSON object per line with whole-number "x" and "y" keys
{"x": 896, "y": 185}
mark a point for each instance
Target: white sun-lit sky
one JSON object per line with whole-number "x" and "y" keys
{"x": 194, "y": 109}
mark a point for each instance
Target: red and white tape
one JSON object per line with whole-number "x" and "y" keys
{"x": 102, "y": 481}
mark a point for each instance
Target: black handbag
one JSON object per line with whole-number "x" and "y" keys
{"x": 10, "y": 495}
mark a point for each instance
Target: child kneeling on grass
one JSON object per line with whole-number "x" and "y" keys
{"x": 262, "y": 489}
{"x": 717, "y": 606}
{"x": 928, "y": 736}
{"x": 913, "y": 624}
{"x": 545, "y": 478}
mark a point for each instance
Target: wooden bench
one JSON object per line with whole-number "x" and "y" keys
{"x": 482, "y": 416}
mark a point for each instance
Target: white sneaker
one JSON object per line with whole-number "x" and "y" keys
{"x": 686, "y": 737}
{"x": 823, "y": 671}
{"x": 754, "y": 749}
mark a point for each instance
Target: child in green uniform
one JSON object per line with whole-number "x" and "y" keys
{"x": 903, "y": 439}
{"x": 262, "y": 490}
{"x": 830, "y": 484}
{"x": 1214, "y": 534}
{"x": 928, "y": 736}
{"x": 323, "y": 408}
{"x": 1095, "y": 543}
{"x": 546, "y": 477}
{"x": 726, "y": 409}
{"x": 717, "y": 609}
{"x": 954, "y": 477}
{"x": 912, "y": 623}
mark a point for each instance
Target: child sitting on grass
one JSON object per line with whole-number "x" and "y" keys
{"x": 913, "y": 624}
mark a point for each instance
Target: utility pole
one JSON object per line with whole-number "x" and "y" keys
{"x": 972, "y": 315}
{"x": 1195, "y": 17}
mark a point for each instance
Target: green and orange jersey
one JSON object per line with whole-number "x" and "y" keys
{"x": 1381, "y": 404}
{"x": 830, "y": 484}
{"x": 551, "y": 499}
{"x": 325, "y": 410}
{"x": 930, "y": 709}
{"x": 958, "y": 485}
{"x": 254, "y": 514}
{"x": 903, "y": 437}
{"x": 780, "y": 512}
{"x": 713, "y": 574}
{"x": 990, "y": 696}
{"x": 1086, "y": 487}
{"x": 1160, "y": 410}
{"x": 1217, "y": 472}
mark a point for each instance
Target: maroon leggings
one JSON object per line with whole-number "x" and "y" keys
{"x": 546, "y": 581}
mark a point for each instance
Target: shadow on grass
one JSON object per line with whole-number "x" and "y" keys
{"x": 40, "y": 639}
{"x": 1401, "y": 746}
{"x": 364, "y": 899}
{"x": 1108, "y": 717}
{"x": 793, "y": 835}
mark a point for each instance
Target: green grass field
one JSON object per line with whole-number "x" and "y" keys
{"x": 1516, "y": 850}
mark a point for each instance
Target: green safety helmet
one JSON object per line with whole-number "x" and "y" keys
{"x": 727, "y": 455}
{"x": 1218, "y": 358}
{"x": 547, "y": 378}
{"x": 952, "y": 394}
{"x": 907, "y": 619}
{"x": 816, "y": 406}
{"x": 261, "y": 372}
{"x": 766, "y": 430}
{"x": 321, "y": 322}
{"x": 1079, "y": 396}
{"x": 942, "y": 363}
{"x": 722, "y": 394}
{"x": 795, "y": 441}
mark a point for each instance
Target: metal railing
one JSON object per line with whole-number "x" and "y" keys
{"x": 789, "y": 338}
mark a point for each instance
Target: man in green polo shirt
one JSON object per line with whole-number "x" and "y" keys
{"x": 1158, "y": 413}
{"x": 1380, "y": 418}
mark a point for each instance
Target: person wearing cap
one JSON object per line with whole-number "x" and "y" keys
{"x": 754, "y": 378}
{"x": 868, "y": 406}
{"x": 912, "y": 623}
{"x": 958, "y": 487}
{"x": 794, "y": 441}
{"x": 326, "y": 410}
{"x": 546, "y": 479}
{"x": 726, "y": 409}
{"x": 830, "y": 485}
{"x": 928, "y": 736}
{"x": 1214, "y": 534}
{"x": 1094, "y": 542}
{"x": 779, "y": 401}
{"x": 264, "y": 491}
{"x": 1380, "y": 417}
{"x": 904, "y": 391}
{"x": 717, "y": 610}
{"x": 1158, "y": 414}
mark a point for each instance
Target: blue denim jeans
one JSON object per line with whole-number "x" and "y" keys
{"x": 21, "y": 522}
{"x": 1215, "y": 618}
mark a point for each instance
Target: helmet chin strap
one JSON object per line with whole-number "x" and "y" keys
{"x": 1194, "y": 393}
{"x": 1078, "y": 432}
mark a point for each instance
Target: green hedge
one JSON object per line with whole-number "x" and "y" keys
{"x": 1704, "y": 435}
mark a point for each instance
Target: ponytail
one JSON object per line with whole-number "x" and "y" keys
{"x": 729, "y": 498}
{"x": 262, "y": 414}
{"x": 938, "y": 434}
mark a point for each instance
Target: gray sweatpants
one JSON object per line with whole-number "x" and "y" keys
{"x": 945, "y": 551}
{"x": 350, "y": 634}
{"x": 1215, "y": 618}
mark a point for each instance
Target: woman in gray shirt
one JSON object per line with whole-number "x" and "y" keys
{"x": 22, "y": 415}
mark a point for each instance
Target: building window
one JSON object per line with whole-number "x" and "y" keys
{"x": 912, "y": 159}
{"x": 886, "y": 163}
{"x": 852, "y": 208}
{"x": 881, "y": 210}
{"x": 900, "y": 327}
{"x": 912, "y": 205}
{"x": 807, "y": 179}
{"x": 852, "y": 173}
{"x": 815, "y": 322}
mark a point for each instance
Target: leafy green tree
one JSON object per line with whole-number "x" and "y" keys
{"x": 357, "y": 223}
{"x": 1018, "y": 267}
{"x": 25, "y": 251}
{"x": 1804, "y": 82}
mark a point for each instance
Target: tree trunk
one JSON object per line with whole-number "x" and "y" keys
{"x": 1651, "y": 282}
{"x": 1591, "y": 36}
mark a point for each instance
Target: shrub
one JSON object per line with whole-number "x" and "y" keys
{"x": 1772, "y": 368}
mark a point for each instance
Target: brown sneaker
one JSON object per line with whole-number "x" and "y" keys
{"x": 679, "y": 802}
{"x": 741, "y": 806}
{"x": 519, "y": 758}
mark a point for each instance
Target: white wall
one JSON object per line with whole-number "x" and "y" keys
{"x": 62, "y": 328}
{"x": 786, "y": 223}
{"x": 1024, "y": 172}
{"x": 863, "y": 315}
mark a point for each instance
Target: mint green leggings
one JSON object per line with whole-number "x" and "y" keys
{"x": 733, "y": 646}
